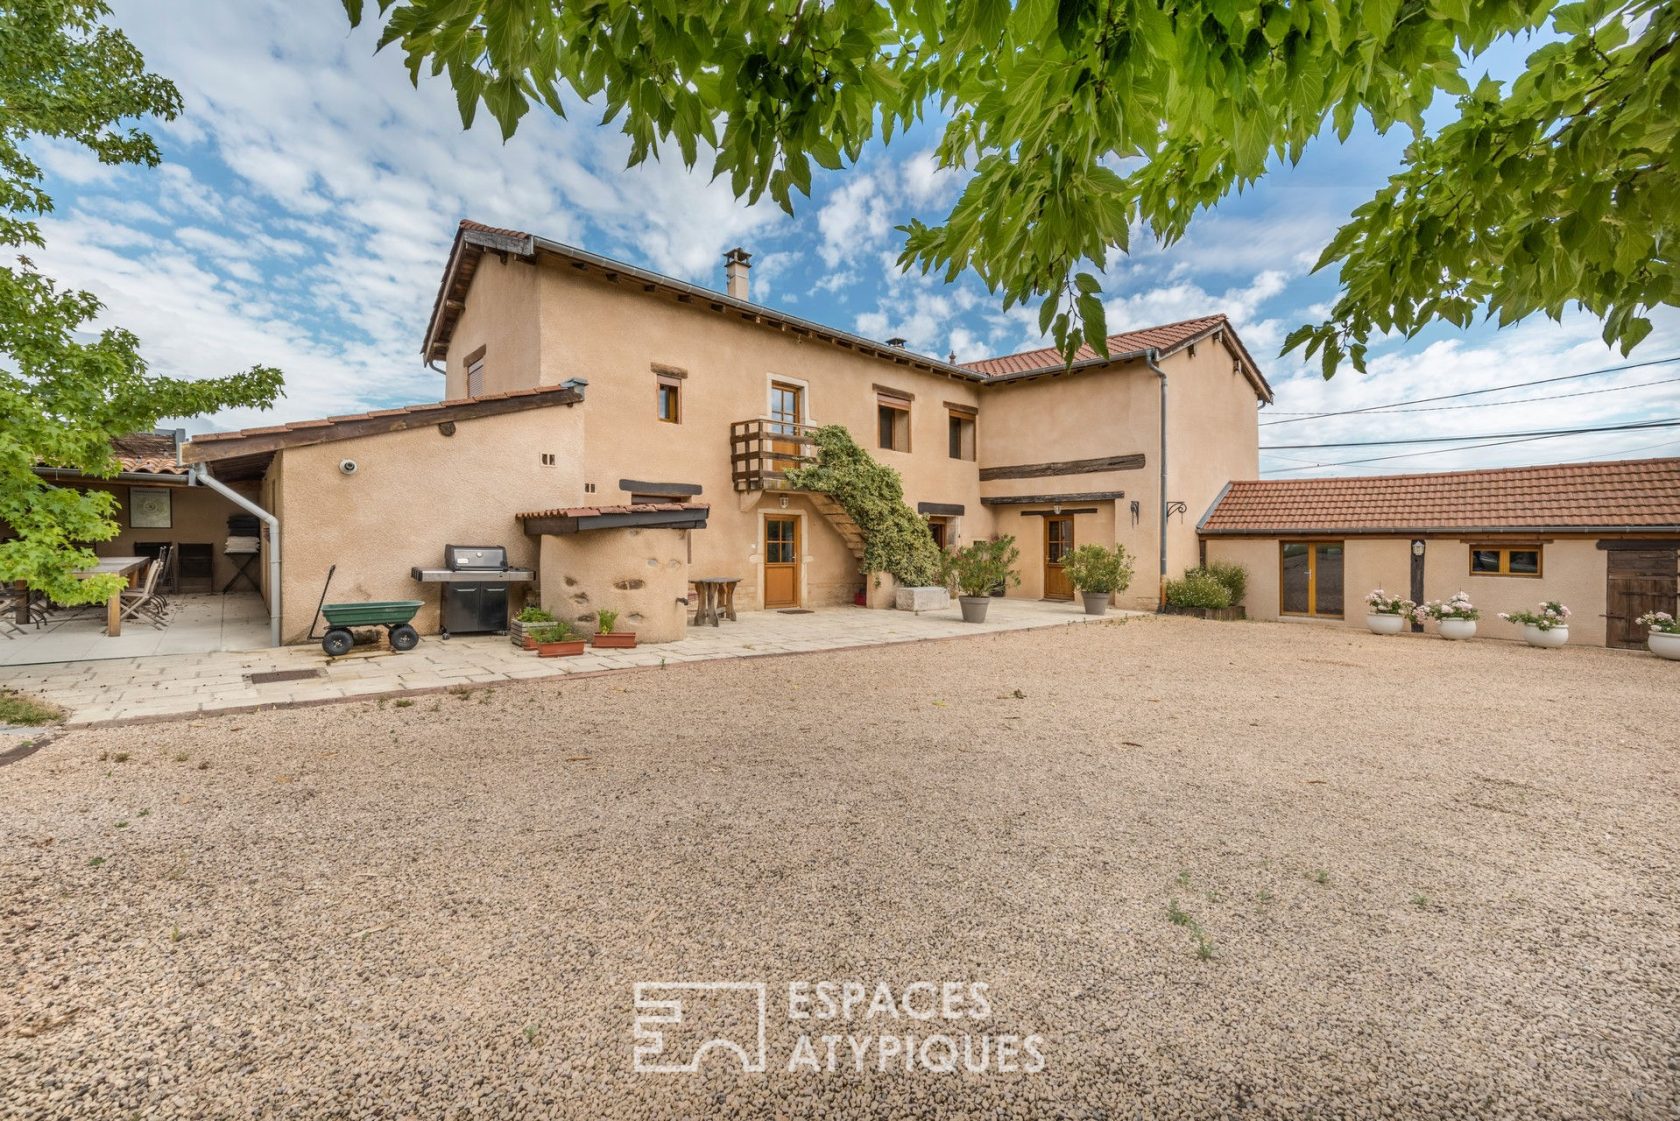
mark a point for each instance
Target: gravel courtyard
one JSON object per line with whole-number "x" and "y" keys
{"x": 1220, "y": 870}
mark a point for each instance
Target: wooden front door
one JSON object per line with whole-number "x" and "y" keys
{"x": 1058, "y": 541}
{"x": 781, "y": 561}
{"x": 1639, "y": 580}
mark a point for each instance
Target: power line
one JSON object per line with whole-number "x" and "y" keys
{"x": 1528, "y": 400}
{"x": 1666, "y": 422}
{"x": 1296, "y": 418}
{"x": 1472, "y": 447}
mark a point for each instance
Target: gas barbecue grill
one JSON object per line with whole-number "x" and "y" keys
{"x": 475, "y": 580}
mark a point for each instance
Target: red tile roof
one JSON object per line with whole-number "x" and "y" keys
{"x": 147, "y": 453}
{"x": 209, "y": 445}
{"x": 1164, "y": 338}
{"x": 629, "y": 508}
{"x": 1632, "y": 494}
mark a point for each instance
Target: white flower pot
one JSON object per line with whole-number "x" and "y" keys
{"x": 1557, "y": 636}
{"x": 1386, "y": 624}
{"x": 1457, "y": 630}
{"x": 1664, "y": 645}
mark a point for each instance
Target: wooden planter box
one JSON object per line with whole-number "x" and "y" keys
{"x": 617, "y": 640}
{"x": 1223, "y": 614}
{"x": 517, "y": 631}
{"x": 560, "y": 649}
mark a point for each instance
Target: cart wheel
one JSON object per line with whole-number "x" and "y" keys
{"x": 338, "y": 642}
{"x": 404, "y": 637}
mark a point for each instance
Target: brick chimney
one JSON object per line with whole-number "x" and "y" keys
{"x": 736, "y": 262}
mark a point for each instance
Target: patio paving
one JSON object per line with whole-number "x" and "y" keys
{"x": 173, "y": 685}
{"x": 198, "y": 624}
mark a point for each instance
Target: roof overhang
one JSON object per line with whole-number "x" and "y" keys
{"x": 1226, "y": 334}
{"x": 586, "y": 519}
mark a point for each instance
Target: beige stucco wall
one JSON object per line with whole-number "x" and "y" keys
{"x": 414, "y": 492}
{"x": 198, "y": 516}
{"x": 503, "y": 315}
{"x": 612, "y": 335}
{"x": 1574, "y": 574}
{"x": 640, "y": 573}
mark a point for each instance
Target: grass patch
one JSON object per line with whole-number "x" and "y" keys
{"x": 19, "y": 709}
{"x": 403, "y": 703}
{"x": 1178, "y": 916}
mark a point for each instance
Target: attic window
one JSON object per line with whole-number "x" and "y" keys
{"x": 548, "y": 459}
{"x": 475, "y": 372}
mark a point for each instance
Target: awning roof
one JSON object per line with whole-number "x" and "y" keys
{"x": 638, "y": 515}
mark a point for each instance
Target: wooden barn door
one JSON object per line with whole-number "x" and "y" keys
{"x": 1639, "y": 580}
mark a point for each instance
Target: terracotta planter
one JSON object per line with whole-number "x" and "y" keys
{"x": 560, "y": 649}
{"x": 520, "y": 633}
{"x": 1457, "y": 630}
{"x": 1096, "y": 603}
{"x": 528, "y": 642}
{"x": 1664, "y": 645}
{"x": 617, "y": 640}
{"x": 1385, "y": 624}
{"x": 1553, "y": 638}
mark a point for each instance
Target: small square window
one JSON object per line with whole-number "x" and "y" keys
{"x": 1505, "y": 560}
{"x": 1484, "y": 560}
{"x": 1524, "y": 562}
{"x": 669, "y": 399}
{"x": 894, "y": 419}
{"x": 548, "y": 459}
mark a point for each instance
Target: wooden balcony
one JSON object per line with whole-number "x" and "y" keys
{"x": 762, "y": 451}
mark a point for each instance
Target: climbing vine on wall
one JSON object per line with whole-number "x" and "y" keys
{"x": 896, "y": 540}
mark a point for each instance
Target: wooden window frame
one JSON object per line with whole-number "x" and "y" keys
{"x": 887, "y": 403}
{"x": 662, "y": 382}
{"x": 1312, "y": 611}
{"x": 972, "y": 442}
{"x": 1505, "y": 551}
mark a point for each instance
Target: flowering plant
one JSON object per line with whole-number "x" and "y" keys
{"x": 1659, "y": 621}
{"x": 1458, "y": 607}
{"x": 1551, "y": 614}
{"x": 1380, "y": 602}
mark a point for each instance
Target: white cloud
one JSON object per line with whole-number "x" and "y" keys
{"x": 856, "y": 218}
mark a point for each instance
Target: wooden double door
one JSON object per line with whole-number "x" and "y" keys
{"x": 1638, "y": 581}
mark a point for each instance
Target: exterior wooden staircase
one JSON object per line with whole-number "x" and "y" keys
{"x": 841, "y": 521}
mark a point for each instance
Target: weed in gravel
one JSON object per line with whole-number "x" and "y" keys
{"x": 531, "y": 1034}
{"x": 104, "y": 755}
{"x": 402, "y": 702}
{"x": 96, "y": 861}
{"x": 1180, "y": 917}
{"x": 459, "y": 692}
{"x": 120, "y": 757}
{"x": 1204, "y": 947}
{"x": 204, "y": 764}
{"x": 1177, "y": 916}
{"x": 1264, "y": 896}
{"x": 122, "y": 825}
{"x": 1320, "y": 876}
{"x": 180, "y": 757}
{"x": 1184, "y": 878}
{"x": 144, "y": 813}
{"x": 1421, "y": 902}
{"x": 1215, "y": 897}
{"x": 175, "y": 934}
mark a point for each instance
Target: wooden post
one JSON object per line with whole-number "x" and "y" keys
{"x": 113, "y": 614}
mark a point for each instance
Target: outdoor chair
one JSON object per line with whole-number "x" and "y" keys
{"x": 141, "y": 600}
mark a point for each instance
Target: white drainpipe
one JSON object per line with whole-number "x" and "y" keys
{"x": 198, "y": 475}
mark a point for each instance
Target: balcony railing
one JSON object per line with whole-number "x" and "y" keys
{"x": 761, "y": 451}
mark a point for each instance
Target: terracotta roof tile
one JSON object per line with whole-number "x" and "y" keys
{"x": 424, "y": 407}
{"x": 1048, "y": 359}
{"x": 1630, "y": 494}
{"x": 628, "y": 508}
{"x": 147, "y": 453}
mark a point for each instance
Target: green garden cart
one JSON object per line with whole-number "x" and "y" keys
{"x": 393, "y": 615}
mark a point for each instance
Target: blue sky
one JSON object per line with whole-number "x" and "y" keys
{"x": 309, "y": 195}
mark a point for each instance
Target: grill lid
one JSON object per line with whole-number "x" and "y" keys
{"x": 475, "y": 558}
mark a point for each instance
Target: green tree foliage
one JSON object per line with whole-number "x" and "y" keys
{"x": 66, "y": 74}
{"x": 1082, "y": 120}
{"x": 895, "y": 539}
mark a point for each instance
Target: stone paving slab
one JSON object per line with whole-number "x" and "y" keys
{"x": 117, "y": 690}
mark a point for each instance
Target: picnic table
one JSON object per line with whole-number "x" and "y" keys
{"x": 717, "y": 596}
{"x": 115, "y": 566}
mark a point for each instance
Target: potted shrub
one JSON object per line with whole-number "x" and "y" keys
{"x": 607, "y": 638}
{"x": 1663, "y": 639}
{"x": 532, "y": 616}
{"x": 1386, "y": 614}
{"x": 979, "y": 567}
{"x": 1455, "y": 619}
{"x": 1098, "y": 573}
{"x": 556, "y": 640}
{"x": 1546, "y": 627}
{"x": 1200, "y": 592}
